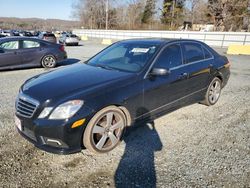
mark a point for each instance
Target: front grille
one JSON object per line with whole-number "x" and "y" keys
{"x": 26, "y": 106}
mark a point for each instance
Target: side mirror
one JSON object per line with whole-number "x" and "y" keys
{"x": 159, "y": 72}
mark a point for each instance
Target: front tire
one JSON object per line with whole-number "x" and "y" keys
{"x": 213, "y": 92}
{"x": 104, "y": 131}
{"x": 48, "y": 61}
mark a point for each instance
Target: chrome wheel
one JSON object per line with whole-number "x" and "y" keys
{"x": 49, "y": 61}
{"x": 104, "y": 130}
{"x": 214, "y": 92}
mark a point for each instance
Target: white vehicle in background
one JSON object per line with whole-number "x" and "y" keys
{"x": 7, "y": 33}
{"x": 69, "y": 39}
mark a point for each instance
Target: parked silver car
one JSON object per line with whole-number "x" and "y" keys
{"x": 69, "y": 39}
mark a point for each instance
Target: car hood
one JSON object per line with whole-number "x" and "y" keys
{"x": 70, "y": 80}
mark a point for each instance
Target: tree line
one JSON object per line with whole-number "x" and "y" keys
{"x": 225, "y": 15}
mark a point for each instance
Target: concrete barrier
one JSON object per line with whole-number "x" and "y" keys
{"x": 84, "y": 37}
{"x": 106, "y": 41}
{"x": 239, "y": 49}
{"x": 217, "y": 39}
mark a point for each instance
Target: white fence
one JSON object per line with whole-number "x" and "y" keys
{"x": 219, "y": 39}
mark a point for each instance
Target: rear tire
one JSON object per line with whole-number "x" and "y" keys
{"x": 48, "y": 61}
{"x": 104, "y": 131}
{"x": 213, "y": 92}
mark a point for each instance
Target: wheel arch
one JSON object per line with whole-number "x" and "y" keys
{"x": 219, "y": 75}
{"x": 122, "y": 108}
{"x": 127, "y": 115}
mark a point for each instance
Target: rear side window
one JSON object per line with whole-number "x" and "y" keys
{"x": 11, "y": 45}
{"x": 192, "y": 52}
{"x": 207, "y": 54}
{"x": 30, "y": 44}
{"x": 169, "y": 57}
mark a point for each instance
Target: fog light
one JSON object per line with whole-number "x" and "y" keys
{"x": 78, "y": 123}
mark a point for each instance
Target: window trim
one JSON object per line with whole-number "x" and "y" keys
{"x": 183, "y": 64}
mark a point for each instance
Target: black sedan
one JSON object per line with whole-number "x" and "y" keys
{"x": 90, "y": 105}
{"x": 21, "y": 52}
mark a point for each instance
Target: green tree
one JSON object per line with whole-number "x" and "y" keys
{"x": 149, "y": 11}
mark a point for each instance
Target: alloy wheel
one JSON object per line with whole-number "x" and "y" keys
{"x": 214, "y": 92}
{"x": 48, "y": 62}
{"x": 107, "y": 131}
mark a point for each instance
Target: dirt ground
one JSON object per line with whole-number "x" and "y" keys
{"x": 196, "y": 146}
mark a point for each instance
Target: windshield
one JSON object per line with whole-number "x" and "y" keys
{"x": 130, "y": 57}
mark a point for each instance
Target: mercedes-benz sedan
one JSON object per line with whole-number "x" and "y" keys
{"x": 90, "y": 105}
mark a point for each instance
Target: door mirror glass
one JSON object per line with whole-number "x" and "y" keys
{"x": 159, "y": 72}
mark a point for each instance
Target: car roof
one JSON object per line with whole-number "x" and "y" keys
{"x": 19, "y": 38}
{"x": 158, "y": 40}
{"x": 145, "y": 41}
{"x": 5, "y": 39}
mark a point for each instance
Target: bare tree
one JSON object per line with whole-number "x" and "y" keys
{"x": 228, "y": 15}
{"x": 193, "y": 4}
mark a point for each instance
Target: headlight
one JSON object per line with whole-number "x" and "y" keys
{"x": 66, "y": 110}
{"x": 63, "y": 111}
{"x": 45, "y": 112}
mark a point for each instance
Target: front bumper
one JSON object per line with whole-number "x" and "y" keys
{"x": 54, "y": 136}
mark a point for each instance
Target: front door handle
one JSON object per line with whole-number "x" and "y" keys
{"x": 183, "y": 75}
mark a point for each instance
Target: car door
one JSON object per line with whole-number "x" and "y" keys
{"x": 198, "y": 61}
{"x": 9, "y": 53}
{"x": 30, "y": 52}
{"x": 164, "y": 92}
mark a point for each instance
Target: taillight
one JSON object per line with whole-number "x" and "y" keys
{"x": 61, "y": 48}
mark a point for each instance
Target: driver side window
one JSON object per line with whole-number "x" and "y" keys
{"x": 170, "y": 57}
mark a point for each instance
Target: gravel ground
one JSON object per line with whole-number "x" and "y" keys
{"x": 196, "y": 146}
